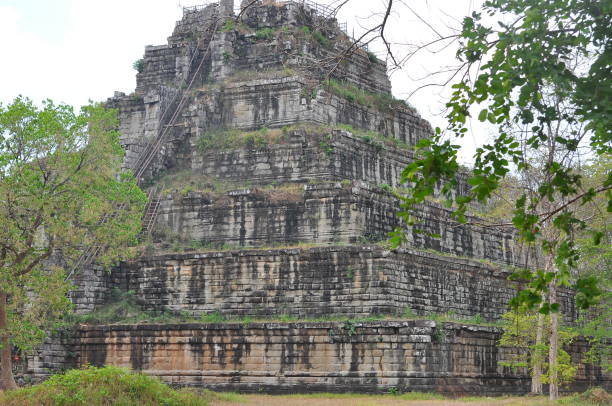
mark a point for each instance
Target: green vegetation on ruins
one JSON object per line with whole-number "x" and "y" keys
{"x": 266, "y": 33}
{"x": 373, "y": 137}
{"x": 127, "y": 308}
{"x": 223, "y": 139}
{"x": 220, "y": 140}
{"x": 352, "y": 93}
{"x": 181, "y": 183}
{"x": 519, "y": 332}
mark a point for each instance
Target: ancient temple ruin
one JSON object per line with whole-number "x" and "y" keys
{"x": 270, "y": 146}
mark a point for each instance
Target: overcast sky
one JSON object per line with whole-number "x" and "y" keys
{"x": 72, "y": 51}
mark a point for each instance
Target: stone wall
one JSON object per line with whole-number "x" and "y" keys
{"x": 357, "y": 281}
{"x": 55, "y": 354}
{"x": 268, "y": 71}
{"x": 91, "y": 288}
{"x": 271, "y": 103}
{"x": 217, "y": 98}
{"x": 318, "y": 153}
{"x": 292, "y": 46}
{"x": 326, "y": 213}
{"x": 329, "y": 357}
{"x": 286, "y": 100}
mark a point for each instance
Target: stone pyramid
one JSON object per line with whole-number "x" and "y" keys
{"x": 271, "y": 148}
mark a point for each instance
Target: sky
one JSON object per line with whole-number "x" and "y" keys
{"x": 73, "y": 51}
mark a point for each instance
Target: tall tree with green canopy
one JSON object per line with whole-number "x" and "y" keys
{"x": 61, "y": 191}
{"x": 543, "y": 69}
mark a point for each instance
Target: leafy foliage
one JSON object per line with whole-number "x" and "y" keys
{"x": 60, "y": 190}
{"x": 543, "y": 81}
{"x": 595, "y": 327}
{"x": 100, "y": 387}
{"x": 138, "y": 65}
{"x": 520, "y": 332}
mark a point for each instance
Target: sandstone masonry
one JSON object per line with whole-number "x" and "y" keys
{"x": 272, "y": 168}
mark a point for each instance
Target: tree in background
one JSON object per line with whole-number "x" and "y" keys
{"x": 541, "y": 78}
{"x": 596, "y": 261}
{"x": 519, "y": 333}
{"x": 593, "y": 263}
{"x": 61, "y": 191}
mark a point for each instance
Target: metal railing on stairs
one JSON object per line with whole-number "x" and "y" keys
{"x": 199, "y": 7}
{"x": 150, "y": 213}
{"x": 151, "y": 150}
{"x": 149, "y": 153}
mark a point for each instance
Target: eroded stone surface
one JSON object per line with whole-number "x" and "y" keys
{"x": 328, "y": 357}
{"x": 328, "y": 213}
{"x": 237, "y": 78}
{"x": 356, "y": 281}
{"x": 328, "y": 181}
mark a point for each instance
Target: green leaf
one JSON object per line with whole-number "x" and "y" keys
{"x": 483, "y": 115}
{"x": 597, "y": 236}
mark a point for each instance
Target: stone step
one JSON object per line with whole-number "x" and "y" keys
{"x": 323, "y": 213}
{"x": 355, "y": 281}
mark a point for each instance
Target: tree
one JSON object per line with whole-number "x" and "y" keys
{"x": 519, "y": 333}
{"x": 592, "y": 257}
{"x": 61, "y": 191}
{"x": 596, "y": 261}
{"x": 541, "y": 78}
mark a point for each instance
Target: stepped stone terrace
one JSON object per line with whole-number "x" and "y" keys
{"x": 271, "y": 148}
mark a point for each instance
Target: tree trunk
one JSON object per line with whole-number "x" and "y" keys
{"x": 537, "y": 358}
{"x": 553, "y": 347}
{"x": 7, "y": 381}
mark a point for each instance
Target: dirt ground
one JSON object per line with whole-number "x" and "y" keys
{"x": 385, "y": 400}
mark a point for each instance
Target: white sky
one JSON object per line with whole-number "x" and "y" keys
{"x": 73, "y": 51}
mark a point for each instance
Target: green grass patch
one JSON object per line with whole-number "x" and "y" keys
{"x": 229, "y": 25}
{"x": 185, "y": 181}
{"x": 223, "y": 140}
{"x": 373, "y": 137}
{"x": 350, "y": 92}
{"x": 214, "y": 317}
{"x": 321, "y": 39}
{"x": 420, "y": 396}
{"x": 265, "y": 34}
{"x": 182, "y": 183}
{"x": 101, "y": 387}
{"x": 126, "y": 308}
{"x": 316, "y": 35}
